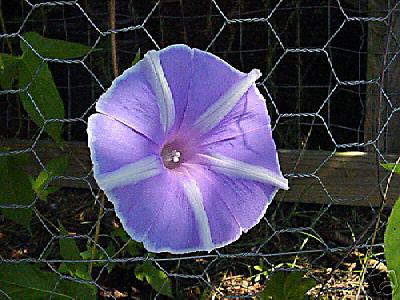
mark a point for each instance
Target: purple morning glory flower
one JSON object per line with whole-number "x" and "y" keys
{"x": 182, "y": 146}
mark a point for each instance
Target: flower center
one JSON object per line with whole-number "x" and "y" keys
{"x": 171, "y": 157}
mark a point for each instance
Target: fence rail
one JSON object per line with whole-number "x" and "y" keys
{"x": 323, "y": 177}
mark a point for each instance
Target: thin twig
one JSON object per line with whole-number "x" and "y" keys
{"x": 114, "y": 60}
{"x": 3, "y": 28}
{"x": 96, "y": 233}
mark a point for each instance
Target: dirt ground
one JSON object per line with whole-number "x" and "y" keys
{"x": 328, "y": 243}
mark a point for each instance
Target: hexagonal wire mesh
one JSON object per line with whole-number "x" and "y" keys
{"x": 317, "y": 81}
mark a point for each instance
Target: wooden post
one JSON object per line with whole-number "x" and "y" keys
{"x": 383, "y": 37}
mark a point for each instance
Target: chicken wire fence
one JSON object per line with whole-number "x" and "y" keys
{"x": 317, "y": 82}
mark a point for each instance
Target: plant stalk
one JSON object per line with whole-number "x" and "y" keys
{"x": 114, "y": 60}
{"x": 111, "y": 11}
{"x": 96, "y": 233}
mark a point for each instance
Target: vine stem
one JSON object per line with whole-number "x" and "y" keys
{"x": 96, "y": 233}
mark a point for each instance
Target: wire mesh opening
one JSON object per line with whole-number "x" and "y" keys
{"x": 330, "y": 79}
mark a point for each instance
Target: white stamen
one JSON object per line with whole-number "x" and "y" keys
{"x": 163, "y": 93}
{"x": 174, "y": 156}
{"x": 129, "y": 174}
{"x": 193, "y": 194}
{"x": 216, "y": 112}
{"x": 237, "y": 168}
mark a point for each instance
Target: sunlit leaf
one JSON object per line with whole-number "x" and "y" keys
{"x": 392, "y": 246}
{"x": 392, "y": 166}
{"x": 54, "y": 167}
{"x": 137, "y": 57}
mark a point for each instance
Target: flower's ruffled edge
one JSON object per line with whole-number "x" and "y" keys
{"x": 273, "y": 145}
{"x": 91, "y": 146}
{"x": 149, "y": 247}
{"x": 114, "y": 85}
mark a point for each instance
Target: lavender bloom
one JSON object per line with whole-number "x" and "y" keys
{"x": 182, "y": 147}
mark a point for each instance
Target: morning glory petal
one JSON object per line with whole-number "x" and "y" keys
{"x": 224, "y": 228}
{"x": 114, "y": 145}
{"x": 131, "y": 173}
{"x": 176, "y": 61}
{"x": 256, "y": 148}
{"x": 162, "y": 91}
{"x": 157, "y": 212}
{"x": 248, "y": 115}
{"x": 195, "y": 199}
{"x": 219, "y": 109}
{"x": 235, "y": 168}
{"x": 240, "y": 194}
{"x": 131, "y": 100}
{"x": 233, "y": 205}
{"x": 212, "y": 78}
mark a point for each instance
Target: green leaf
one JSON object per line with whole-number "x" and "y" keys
{"x": 392, "y": 166}
{"x": 119, "y": 232}
{"x": 50, "y": 190}
{"x": 111, "y": 250}
{"x": 70, "y": 251}
{"x": 25, "y": 281}
{"x": 9, "y": 70}
{"x": 37, "y": 77}
{"x": 16, "y": 189}
{"x": 287, "y": 286}
{"x": 139, "y": 272}
{"x": 28, "y": 282}
{"x": 137, "y": 58}
{"x": 54, "y": 167}
{"x": 392, "y": 246}
{"x": 157, "y": 279}
{"x": 206, "y": 294}
{"x": 134, "y": 248}
{"x": 52, "y": 48}
{"x": 258, "y": 268}
{"x": 77, "y": 290}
